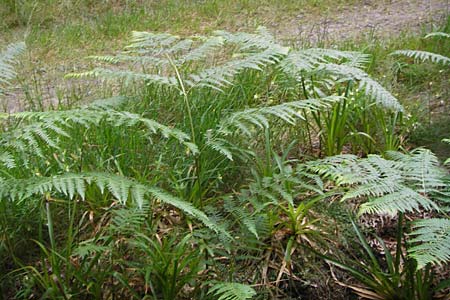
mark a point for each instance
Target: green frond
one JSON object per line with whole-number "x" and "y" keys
{"x": 127, "y": 77}
{"x": 420, "y": 169}
{"x": 220, "y": 145}
{"x": 7, "y": 159}
{"x": 401, "y": 200}
{"x": 404, "y": 183}
{"x": 432, "y": 239}
{"x": 121, "y": 188}
{"x": 219, "y": 76}
{"x": 371, "y": 87}
{"x": 232, "y": 291}
{"x": 210, "y": 45}
{"x": 244, "y": 121}
{"x": 45, "y": 129}
{"x": 307, "y": 60}
{"x": 424, "y": 56}
{"x": 438, "y": 34}
{"x": 151, "y": 43}
{"x": 128, "y": 219}
{"x": 238, "y": 208}
{"x": 163, "y": 51}
{"x": 8, "y": 58}
{"x": 262, "y": 39}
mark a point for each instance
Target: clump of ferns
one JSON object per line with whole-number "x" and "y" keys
{"x": 271, "y": 220}
{"x": 191, "y": 64}
{"x": 397, "y": 185}
{"x": 170, "y": 58}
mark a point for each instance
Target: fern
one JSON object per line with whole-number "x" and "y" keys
{"x": 288, "y": 112}
{"x": 423, "y": 56}
{"x": 127, "y": 77}
{"x": 232, "y": 291}
{"x": 120, "y": 187}
{"x": 154, "y": 53}
{"x": 371, "y": 87}
{"x": 218, "y": 76}
{"x": 391, "y": 186}
{"x": 438, "y": 34}
{"x": 433, "y": 239}
{"x": 7, "y": 60}
{"x": 420, "y": 169}
{"x": 307, "y": 60}
{"x": 45, "y": 129}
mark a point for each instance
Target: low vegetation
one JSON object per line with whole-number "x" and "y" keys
{"x": 229, "y": 166}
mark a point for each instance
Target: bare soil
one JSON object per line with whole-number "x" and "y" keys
{"x": 378, "y": 18}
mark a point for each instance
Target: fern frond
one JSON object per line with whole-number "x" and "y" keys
{"x": 162, "y": 50}
{"x": 127, "y": 77}
{"x": 219, "y": 76}
{"x": 204, "y": 50}
{"x": 7, "y": 60}
{"x": 120, "y": 187}
{"x": 423, "y": 56}
{"x": 308, "y": 59}
{"x": 45, "y": 129}
{"x": 232, "y": 291}
{"x": 371, "y": 87}
{"x": 262, "y": 39}
{"x": 391, "y": 186}
{"x": 433, "y": 239}
{"x": 420, "y": 168}
{"x": 7, "y": 159}
{"x": 438, "y": 34}
{"x": 244, "y": 121}
{"x": 402, "y": 200}
{"x": 238, "y": 209}
{"x": 151, "y": 43}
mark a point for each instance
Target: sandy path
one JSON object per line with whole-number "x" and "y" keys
{"x": 381, "y": 18}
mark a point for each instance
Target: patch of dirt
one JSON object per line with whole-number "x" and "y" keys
{"x": 379, "y": 18}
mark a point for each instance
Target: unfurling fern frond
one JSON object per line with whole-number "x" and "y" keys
{"x": 232, "y": 291}
{"x": 423, "y": 56}
{"x": 432, "y": 239}
{"x": 371, "y": 87}
{"x": 120, "y": 187}
{"x": 7, "y": 60}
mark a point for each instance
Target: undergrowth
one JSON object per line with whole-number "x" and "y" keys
{"x": 211, "y": 176}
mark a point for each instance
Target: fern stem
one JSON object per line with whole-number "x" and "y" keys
{"x": 398, "y": 254}
{"x": 191, "y": 123}
{"x": 308, "y": 129}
